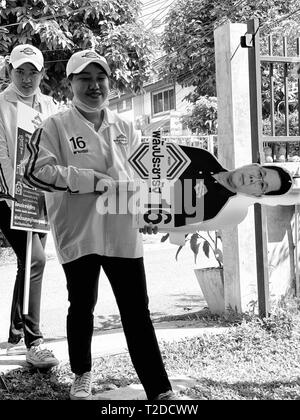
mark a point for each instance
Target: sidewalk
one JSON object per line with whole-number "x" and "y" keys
{"x": 112, "y": 343}
{"x": 172, "y": 289}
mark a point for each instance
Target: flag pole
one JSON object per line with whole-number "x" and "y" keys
{"x": 27, "y": 273}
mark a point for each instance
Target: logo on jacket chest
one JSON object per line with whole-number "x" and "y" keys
{"x": 121, "y": 139}
{"x": 78, "y": 145}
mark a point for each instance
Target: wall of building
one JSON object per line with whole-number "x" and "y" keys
{"x": 127, "y": 115}
{"x": 142, "y": 113}
{"x": 181, "y": 104}
{"x": 147, "y": 104}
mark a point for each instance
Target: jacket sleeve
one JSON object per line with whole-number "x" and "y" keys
{"x": 47, "y": 165}
{"x": 6, "y": 166}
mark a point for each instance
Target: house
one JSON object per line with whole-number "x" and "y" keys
{"x": 162, "y": 104}
{"x": 160, "y": 107}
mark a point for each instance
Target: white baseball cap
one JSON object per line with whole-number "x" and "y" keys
{"x": 26, "y": 53}
{"x": 79, "y": 60}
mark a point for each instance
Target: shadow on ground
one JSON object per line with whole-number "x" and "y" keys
{"x": 187, "y": 306}
{"x": 199, "y": 319}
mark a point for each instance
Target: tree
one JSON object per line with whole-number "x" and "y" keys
{"x": 60, "y": 27}
{"x": 202, "y": 117}
{"x": 188, "y": 40}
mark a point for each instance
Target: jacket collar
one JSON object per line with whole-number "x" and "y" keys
{"x": 11, "y": 96}
{"x": 109, "y": 117}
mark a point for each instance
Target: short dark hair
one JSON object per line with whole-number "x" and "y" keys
{"x": 285, "y": 177}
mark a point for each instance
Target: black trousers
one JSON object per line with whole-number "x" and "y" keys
{"x": 128, "y": 282}
{"x": 27, "y": 326}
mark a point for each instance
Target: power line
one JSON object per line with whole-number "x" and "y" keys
{"x": 276, "y": 22}
{"x": 44, "y": 18}
{"x": 210, "y": 28}
{"x": 208, "y": 32}
{"x": 49, "y": 17}
{"x": 150, "y": 4}
{"x": 67, "y": 14}
{"x": 209, "y": 62}
{"x": 159, "y": 14}
{"x": 63, "y": 14}
{"x": 261, "y": 25}
{"x": 151, "y": 13}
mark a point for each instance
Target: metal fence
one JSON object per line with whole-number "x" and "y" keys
{"x": 280, "y": 99}
{"x": 274, "y": 99}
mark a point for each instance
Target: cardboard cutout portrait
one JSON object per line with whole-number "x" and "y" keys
{"x": 176, "y": 184}
{"x": 180, "y": 195}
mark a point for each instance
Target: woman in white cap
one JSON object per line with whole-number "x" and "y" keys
{"x": 26, "y": 69}
{"x": 75, "y": 155}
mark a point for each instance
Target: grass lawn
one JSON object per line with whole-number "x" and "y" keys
{"x": 254, "y": 360}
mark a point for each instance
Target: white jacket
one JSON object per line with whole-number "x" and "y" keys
{"x": 65, "y": 154}
{"x": 8, "y": 128}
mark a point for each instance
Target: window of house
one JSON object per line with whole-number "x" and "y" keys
{"x": 163, "y": 101}
{"x": 124, "y": 105}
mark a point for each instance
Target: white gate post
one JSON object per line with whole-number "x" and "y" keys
{"x": 234, "y": 150}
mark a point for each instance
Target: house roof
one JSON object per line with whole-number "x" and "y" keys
{"x": 157, "y": 125}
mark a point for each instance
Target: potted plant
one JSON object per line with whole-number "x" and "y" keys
{"x": 210, "y": 279}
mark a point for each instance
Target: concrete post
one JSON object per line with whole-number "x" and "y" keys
{"x": 234, "y": 150}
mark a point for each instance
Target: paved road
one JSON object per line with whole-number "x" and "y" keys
{"x": 172, "y": 289}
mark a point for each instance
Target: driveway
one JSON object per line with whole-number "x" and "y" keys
{"x": 172, "y": 289}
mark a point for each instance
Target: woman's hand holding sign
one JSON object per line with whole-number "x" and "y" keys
{"x": 149, "y": 229}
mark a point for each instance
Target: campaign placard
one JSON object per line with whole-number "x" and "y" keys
{"x": 158, "y": 164}
{"x": 29, "y": 208}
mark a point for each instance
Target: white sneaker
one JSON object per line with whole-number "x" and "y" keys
{"x": 41, "y": 357}
{"x": 16, "y": 349}
{"x": 81, "y": 388}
